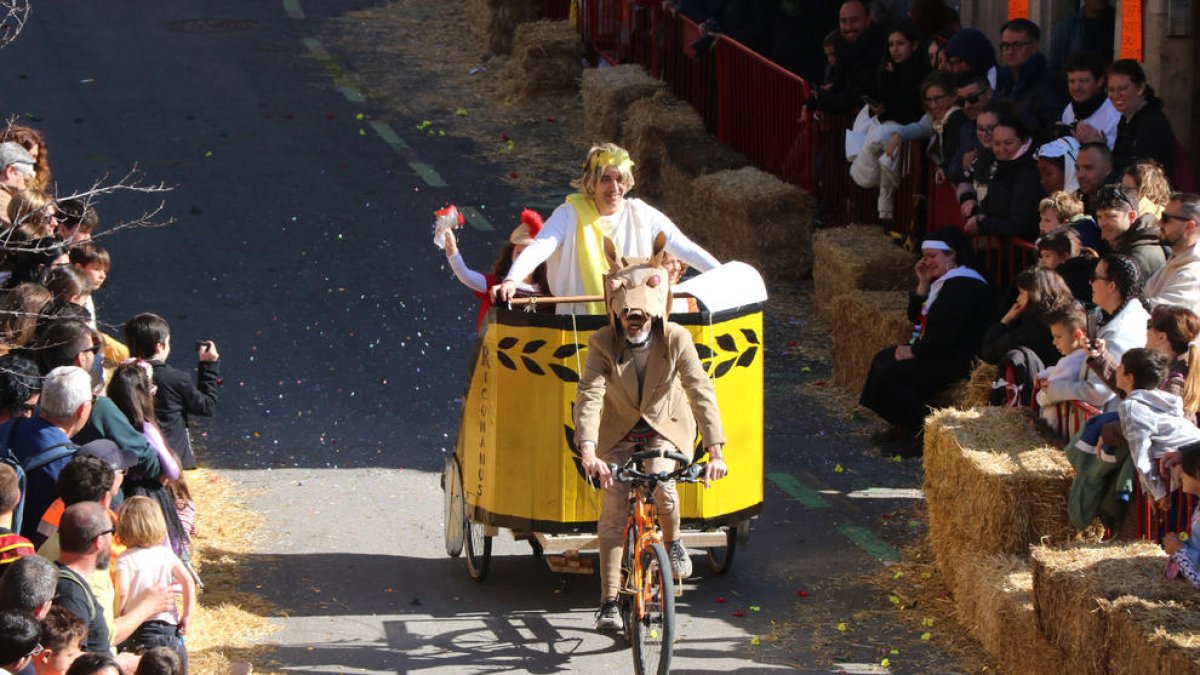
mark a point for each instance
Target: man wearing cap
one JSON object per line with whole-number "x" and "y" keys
{"x": 951, "y": 309}
{"x": 571, "y": 243}
{"x": 643, "y": 388}
{"x": 17, "y": 165}
{"x": 43, "y": 443}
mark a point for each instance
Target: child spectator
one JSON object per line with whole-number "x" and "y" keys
{"x": 76, "y": 221}
{"x": 1068, "y": 326}
{"x": 12, "y": 545}
{"x": 1061, "y": 251}
{"x": 132, "y": 390}
{"x": 1064, "y": 208}
{"x": 522, "y": 236}
{"x": 92, "y": 261}
{"x": 1056, "y": 165}
{"x": 1152, "y": 420}
{"x": 68, "y": 284}
{"x": 63, "y": 635}
{"x": 148, "y": 337}
{"x": 159, "y": 661}
{"x": 147, "y": 563}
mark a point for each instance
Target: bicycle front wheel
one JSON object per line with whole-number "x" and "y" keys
{"x": 653, "y": 629}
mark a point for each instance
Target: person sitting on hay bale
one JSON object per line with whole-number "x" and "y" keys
{"x": 951, "y": 307}
{"x": 571, "y": 243}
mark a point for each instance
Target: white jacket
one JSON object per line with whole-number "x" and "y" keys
{"x": 1177, "y": 282}
{"x": 1153, "y": 424}
{"x": 1105, "y": 120}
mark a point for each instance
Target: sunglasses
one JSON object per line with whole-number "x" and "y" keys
{"x": 1097, "y": 277}
{"x": 1168, "y": 217}
{"x": 1116, "y": 192}
{"x": 968, "y": 100}
{"x": 110, "y": 530}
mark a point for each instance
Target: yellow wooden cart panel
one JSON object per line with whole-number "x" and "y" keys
{"x": 516, "y": 441}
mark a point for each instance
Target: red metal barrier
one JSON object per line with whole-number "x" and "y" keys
{"x": 760, "y": 108}
{"x": 690, "y": 75}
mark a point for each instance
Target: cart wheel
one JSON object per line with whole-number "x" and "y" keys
{"x": 479, "y": 550}
{"x": 720, "y": 558}
{"x": 454, "y": 506}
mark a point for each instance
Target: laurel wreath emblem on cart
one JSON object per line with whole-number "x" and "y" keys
{"x": 717, "y": 363}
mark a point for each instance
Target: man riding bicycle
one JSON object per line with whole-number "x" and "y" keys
{"x": 631, "y": 397}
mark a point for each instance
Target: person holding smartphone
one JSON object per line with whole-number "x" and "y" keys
{"x": 176, "y": 398}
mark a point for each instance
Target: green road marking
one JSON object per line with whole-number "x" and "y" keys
{"x": 476, "y": 218}
{"x": 292, "y": 8}
{"x": 869, "y": 542}
{"x": 798, "y": 491}
{"x": 431, "y": 177}
{"x": 334, "y": 69}
{"x": 389, "y": 136}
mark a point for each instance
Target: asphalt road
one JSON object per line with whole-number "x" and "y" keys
{"x": 300, "y": 245}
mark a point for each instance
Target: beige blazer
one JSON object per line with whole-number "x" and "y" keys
{"x": 676, "y": 392}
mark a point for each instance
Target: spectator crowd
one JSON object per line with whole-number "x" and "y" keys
{"x": 1070, "y": 153}
{"x": 96, "y": 519}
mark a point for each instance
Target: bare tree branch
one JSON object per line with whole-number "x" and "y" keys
{"x": 14, "y": 13}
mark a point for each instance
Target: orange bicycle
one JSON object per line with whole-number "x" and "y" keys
{"x": 647, "y": 594}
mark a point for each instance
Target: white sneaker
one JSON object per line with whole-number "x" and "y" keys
{"x": 609, "y": 617}
{"x": 681, "y": 564}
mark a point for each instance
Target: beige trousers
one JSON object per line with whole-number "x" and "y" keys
{"x": 614, "y": 509}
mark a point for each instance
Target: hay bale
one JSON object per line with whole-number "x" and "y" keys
{"x": 995, "y": 603}
{"x": 546, "y": 58}
{"x": 857, "y": 257}
{"x": 650, "y": 125}
{"x": 978, "y": 389}
{"x": 865, "y": 322}
{"x": 752, "y": 216}
{"x": 688, "y": 159}
{"x": 495, "y": 21}
{"x": 1109, "y": 608}
{"x": 993, "y": 485}
{"x": 607, "y": 95}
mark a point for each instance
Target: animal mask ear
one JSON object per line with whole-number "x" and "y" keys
{"x": 610, "y": 252}
{"x": 657, "y": 253}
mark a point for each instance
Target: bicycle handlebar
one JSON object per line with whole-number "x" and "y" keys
{"x": 667, "y": 454}
{"x": 690, "y": 473}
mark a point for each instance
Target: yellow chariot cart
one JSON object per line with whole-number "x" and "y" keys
{"x": 516, "y": 464}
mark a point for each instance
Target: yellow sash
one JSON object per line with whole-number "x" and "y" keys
{"x": 589, "y": 249}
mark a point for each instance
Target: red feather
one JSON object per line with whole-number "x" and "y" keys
{"x": 533, "y": 220}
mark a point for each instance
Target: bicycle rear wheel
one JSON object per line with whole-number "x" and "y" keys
{"x": 653, "y": 632}
{"x": 479, "y": 550}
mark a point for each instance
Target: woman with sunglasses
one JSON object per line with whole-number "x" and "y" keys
{"x": 1128, "y": 233}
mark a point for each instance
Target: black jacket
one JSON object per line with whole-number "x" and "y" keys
{"x": 899, "y": 90}
{"x": 1077, "y": 272}
{"x": 954, "y": 327}
{"x": 1011, "y": 205}
{"x": 178, "y": 399}
{"x": 854, "y": 74}
{"x": 1036, "y": 91}
{"x": 1148, "y": 135}
{"x": 1028, "y": 331}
